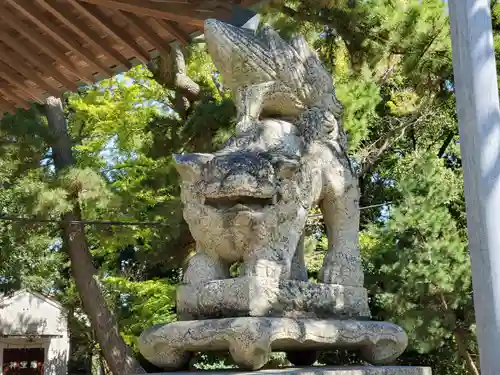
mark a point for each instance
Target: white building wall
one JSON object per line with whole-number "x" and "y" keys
{"x": 31, "y": 314}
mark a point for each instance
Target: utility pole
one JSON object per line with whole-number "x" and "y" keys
{"x": 479, "y": 119}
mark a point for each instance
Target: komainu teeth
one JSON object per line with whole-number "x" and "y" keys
{"x": 275, "y": 198}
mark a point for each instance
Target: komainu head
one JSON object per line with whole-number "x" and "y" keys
{"x": 247, "y": 196}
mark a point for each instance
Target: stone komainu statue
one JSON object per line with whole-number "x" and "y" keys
{"x": 249, "y": 203}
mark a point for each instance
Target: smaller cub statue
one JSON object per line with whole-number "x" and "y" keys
{"x": 248, "y": 203}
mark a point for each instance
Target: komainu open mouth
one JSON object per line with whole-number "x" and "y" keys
{"x": 226, "y": 203}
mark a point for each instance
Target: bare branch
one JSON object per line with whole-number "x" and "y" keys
{"x": 170, "y": 72}
{"x": 373, "y": 152}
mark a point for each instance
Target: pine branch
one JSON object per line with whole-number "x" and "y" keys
{"x": 343, "y": 23}
{"x": 337, "y": 19}
{"x": 428, "y": 45}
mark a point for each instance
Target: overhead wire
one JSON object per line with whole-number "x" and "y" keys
{"x": 85, "y": 222}
{"x": 127, "y": 223}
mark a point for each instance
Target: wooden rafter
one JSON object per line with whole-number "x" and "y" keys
{"x": 97, "y": 16}
{"x": 50, "y": 46}
{"x": 29, "y": 55}
{"x": 16, "y": 80}
{"x": 63, "y": 14}
{"x": 60, "y": 35}
{"x": 144, "y": 30}
{"x": 25, "y": 70}
{"x": 181, "y": 13}
{"x": 6, "y": 106}
{"x": 52, "y": 50}
{"x": 12, "y": 90}
{"x": 8, "y": 92}
{"x": 173, "y": 29}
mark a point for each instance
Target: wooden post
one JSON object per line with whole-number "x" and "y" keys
{"x": 479, "y": 118}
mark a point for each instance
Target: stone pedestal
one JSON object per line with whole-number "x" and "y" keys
{"x": 348, "y": 370}
{"x": 250, "y": 340}
{"x": 254, "y": 296}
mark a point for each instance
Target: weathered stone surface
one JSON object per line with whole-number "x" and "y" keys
{"x": 251, "y": 340}
{"x": 348, "y": 370}
{"x": 253, "y": 296}
{"x": 249, "y": 201}
{"x": 266, "y": 74}
{"x": 251, "y": 206}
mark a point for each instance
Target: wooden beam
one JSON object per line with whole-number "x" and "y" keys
{"x": 30, "y": 55}
{"x": 64, "y": 15}
{"x": 57, "y": 33}
{"x": 8, "y": 92}
{"x": 18, "y": 103}
{"x": 6, "y": 106}
{"x": 98, "y": 17}
{"x": 144, "y": 30}
{"x": 9, "y": 19}
{"x": 25, "y": 70}
{"x": 12, "y": 77}
{"x": 175, "y": 30}
{"x": 183, "y": 14}
{"x": 6, "y": 86}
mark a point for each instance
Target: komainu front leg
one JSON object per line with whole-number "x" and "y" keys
{"x": 202, "y": 268}
{"x": 342, "y": 264}
{"x": 268, "y": 263}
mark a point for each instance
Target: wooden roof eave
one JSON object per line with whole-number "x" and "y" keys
{"x": 50, "y": 46}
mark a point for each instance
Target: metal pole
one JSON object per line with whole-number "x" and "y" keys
{"x": 479, "y": 118}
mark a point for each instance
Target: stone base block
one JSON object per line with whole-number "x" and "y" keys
{"x": 368, "y": 370}
{"x": 253, "y": 296}
{"x": 251, "y": 340}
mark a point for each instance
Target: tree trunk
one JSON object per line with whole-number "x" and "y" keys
{"x": 117, "y": 354}
{"x": 461, "y": 340}
{"x": 170, "y": 72}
